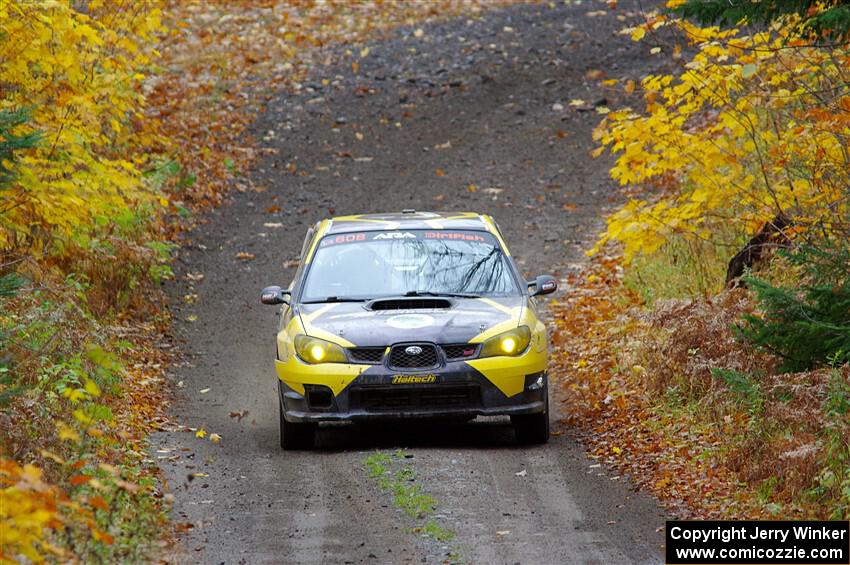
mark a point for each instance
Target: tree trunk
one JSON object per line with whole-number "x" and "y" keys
{"x": 770, "y": 235}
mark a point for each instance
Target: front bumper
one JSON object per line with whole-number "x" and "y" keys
{"x": 459, "y": 392}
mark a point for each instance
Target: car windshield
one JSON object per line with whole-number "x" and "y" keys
{"x": 367, "y": 265}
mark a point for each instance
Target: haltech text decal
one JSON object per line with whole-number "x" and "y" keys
{"x": 414, "y": 379}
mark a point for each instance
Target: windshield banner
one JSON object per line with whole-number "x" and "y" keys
{"x": 411, "y": 235}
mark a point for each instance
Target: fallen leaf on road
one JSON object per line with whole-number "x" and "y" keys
{"x": 521, "y": 473}
{"x": 204, "y": 390}
{"x": 440, "y": 172}
{"x": 239, "y": 415}
{"x": 245, "y": 256}
{"x": 273, "y": 225}
{"x": 215, "y": 438}
{"x": 503, "y": 532}
{"x": 191, "y": 317}
{"x": 201, "y": 433}
{"x": 273, "y": 209}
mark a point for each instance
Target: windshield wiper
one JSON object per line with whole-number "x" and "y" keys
{"x": 335, "y": 299}
{"x": 447, "y": 294}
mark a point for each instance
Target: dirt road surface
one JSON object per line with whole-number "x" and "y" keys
{"x": 462, "y": 115}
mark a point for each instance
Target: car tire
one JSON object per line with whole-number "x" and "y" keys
{"x": 295, "y": 435}
{"x": 532, "y": 429}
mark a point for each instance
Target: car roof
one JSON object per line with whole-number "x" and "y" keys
{"x": 410, "y": 219}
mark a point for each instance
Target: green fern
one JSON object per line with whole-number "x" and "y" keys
{"x": 806, "y": 324}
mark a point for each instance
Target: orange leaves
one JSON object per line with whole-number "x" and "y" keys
{"x": 78, "y": 480}
{"x": 98, "y": 502}
{"x": 102, "y": 536}
{"x": 581, "y": 347}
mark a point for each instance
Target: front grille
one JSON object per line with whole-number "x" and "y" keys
{"x": 426, "y": 358}
{"x": 372, "y": 355}
{"x": 419, "y": 396}
{"x": 460, "y": 351}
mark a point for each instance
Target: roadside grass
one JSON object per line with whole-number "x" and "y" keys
{"x": 398, "y": 478}
{"x": 680, "y": 269}
{"x": 669, "y": 392}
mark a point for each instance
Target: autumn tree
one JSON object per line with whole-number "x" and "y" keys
{"x": 78, "y": 73}
{"x": 754, "y": 127}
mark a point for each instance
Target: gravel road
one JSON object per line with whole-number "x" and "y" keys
{"x": 462, "y": 115}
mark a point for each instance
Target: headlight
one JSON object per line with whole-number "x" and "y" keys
{"x": 313, "y": 350}
{"x": 513, "y": 342}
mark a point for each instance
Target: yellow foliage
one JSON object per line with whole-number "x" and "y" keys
{"x": 78, "y": 72}
{"x": 66, "y": 432}
{"x": 28, "y": 507}
{"x": 753, "y": 128}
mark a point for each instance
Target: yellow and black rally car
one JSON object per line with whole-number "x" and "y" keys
{"x": 409, "y": 315}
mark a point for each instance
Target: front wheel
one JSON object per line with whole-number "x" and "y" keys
{"x": 532, "y": 429}
{"x": 295, "y": 435}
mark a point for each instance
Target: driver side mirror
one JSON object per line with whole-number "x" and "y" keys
{"x": 544, "y": 284}
{"x": 274, "y": 295}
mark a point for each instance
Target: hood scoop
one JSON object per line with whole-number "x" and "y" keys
{"x": 409, "y": 304}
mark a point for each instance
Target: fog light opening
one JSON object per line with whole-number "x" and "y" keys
{"x": 319, "y": 397}
{"x": 536, "y": 385}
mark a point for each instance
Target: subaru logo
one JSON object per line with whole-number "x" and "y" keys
{"x": 413, "y": 350}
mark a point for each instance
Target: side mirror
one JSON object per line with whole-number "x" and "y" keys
{"x": 273, "y": 295}
{"x": 544, "y": 284}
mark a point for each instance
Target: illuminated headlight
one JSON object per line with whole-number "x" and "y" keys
{"x": 313, "y": 350}
{"x": 513, "y": 342}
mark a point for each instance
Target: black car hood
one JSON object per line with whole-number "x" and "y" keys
{"x": 460, "y": 322}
